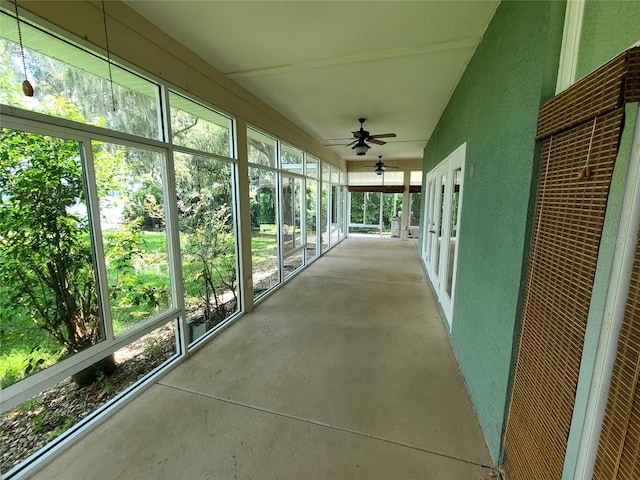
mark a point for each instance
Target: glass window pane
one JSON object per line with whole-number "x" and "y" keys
{"x": 393, "y": 178}
{"x": 324, "y": 216}
{"x": 291, "y": 159}
{"x": 292, "y": 189}
{"x": 312, "y": 166}
{"x": 416, "y": 177}
{"x": 49, "y": 305}
{"x": 391, "y": 208}
{"x": 264, "y": 232}
{"x": 293, "y": 262}
{"x": 365, "y": 177}
{"x": 339, "y": 213}
{"x": 198, "y": 127}
{"x": 372, "y": 208}
{"x": 261, "y": 148}
{"x": 335, "y": 175}
{"x": 414, "y": 214}
{"x": 54, "y": 412}
{"x": 72, "y": 83}
{"x": 312, "y": 215}
{"x": 326, "y": 172}
{"x": 132, "y": 216}
{"x": 207, "y": 240}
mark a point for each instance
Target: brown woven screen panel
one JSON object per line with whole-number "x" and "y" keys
{"x": 562, "y": 262}
{"x": 632, "y": 81}
{"x": 619, "y": 449}
{"x": 595, "y": 94}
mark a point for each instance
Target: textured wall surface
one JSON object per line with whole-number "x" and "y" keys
{"x": 495, "y": 109}
{"x": 608, "y": 28}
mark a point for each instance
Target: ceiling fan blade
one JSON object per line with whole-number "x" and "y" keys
{"x": 373, "y": 140}
{"x": 352, "y": 143}
{"x": 383, "y": 135}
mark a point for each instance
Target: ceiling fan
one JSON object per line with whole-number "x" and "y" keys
{"x": 379, "y": 167}
{"x": 362, "y": 136}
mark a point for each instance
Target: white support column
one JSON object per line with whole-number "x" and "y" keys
{"x": 244, "y": 216}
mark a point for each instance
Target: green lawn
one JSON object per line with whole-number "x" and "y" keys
{"x": 22, "y": 340}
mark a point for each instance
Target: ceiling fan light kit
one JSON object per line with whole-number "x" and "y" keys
{"x": 362, "y": 137}
{"x": 361, "y": 147}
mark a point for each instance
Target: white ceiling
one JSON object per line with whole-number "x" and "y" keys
{"x": 324, "y": 64}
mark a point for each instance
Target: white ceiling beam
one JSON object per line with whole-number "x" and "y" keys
{"x": 357, "y": 58}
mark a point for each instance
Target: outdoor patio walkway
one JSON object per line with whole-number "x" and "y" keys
{"x": 346, "y": 372}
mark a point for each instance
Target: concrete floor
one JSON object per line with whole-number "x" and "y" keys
{"x": 346, "y": 372}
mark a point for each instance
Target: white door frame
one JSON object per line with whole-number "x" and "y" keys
{"x": 437, "y": 226}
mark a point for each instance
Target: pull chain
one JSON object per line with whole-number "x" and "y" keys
{"x": 27, "y": 88}
{"x": 106, "y": 36}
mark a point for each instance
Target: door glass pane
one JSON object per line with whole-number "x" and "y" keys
{"x": 264, "y": 232}
{"x": 132, "y": 217}
{"x": 453, "y": 235}
{"x": 207, "y": 241}
{"x": 48, "y": 297}
{"x": 312, "y": 215}
{"x": 439, "y": 211}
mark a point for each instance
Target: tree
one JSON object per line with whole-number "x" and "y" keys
{"x": 46, "y": 262}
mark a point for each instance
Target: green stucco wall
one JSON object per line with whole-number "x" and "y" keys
{"x": 608, "y": 28}
{"x": 494, "y": 109}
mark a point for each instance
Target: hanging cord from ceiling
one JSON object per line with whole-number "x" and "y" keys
{"x": 106, "y": 37}
{"x": 27, "y": 88}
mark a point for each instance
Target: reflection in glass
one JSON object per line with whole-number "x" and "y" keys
{"x": 264, "y": 231}
{"x": 48, "y": 298}
{"x": 207, "y": 240}
{"x": 453, "y": 240}
{"x": 132, "y": 217}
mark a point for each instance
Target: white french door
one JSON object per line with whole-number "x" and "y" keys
{"x": 441, "y": 226}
